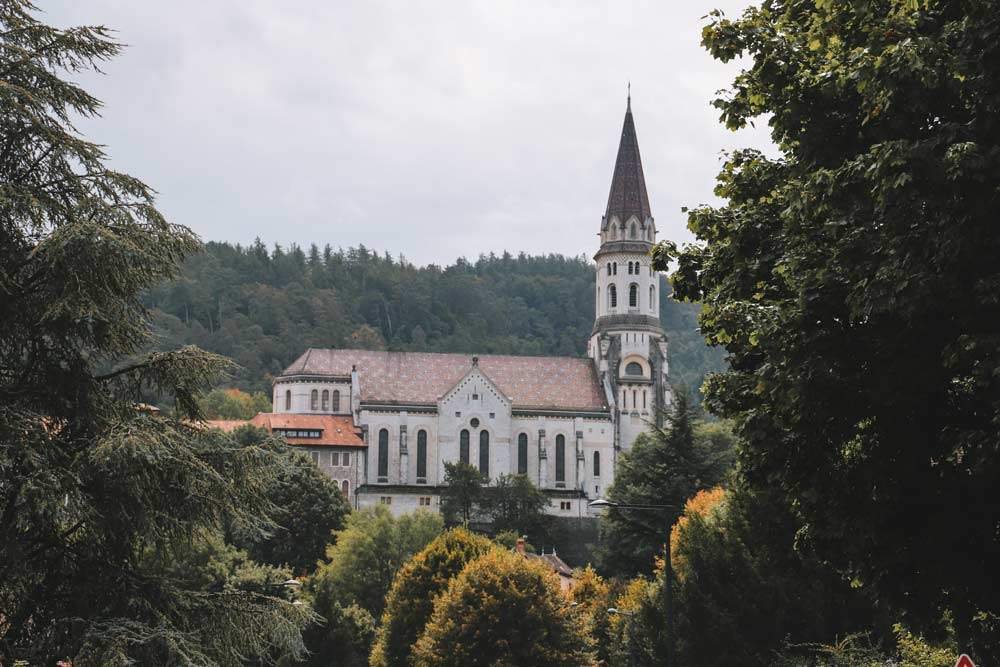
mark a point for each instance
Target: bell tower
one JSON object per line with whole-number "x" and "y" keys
{"x": 627, "y": 344}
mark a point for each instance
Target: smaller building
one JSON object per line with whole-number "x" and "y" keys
{"x": 552, "y": 561}
{"x": 331, "y": 441}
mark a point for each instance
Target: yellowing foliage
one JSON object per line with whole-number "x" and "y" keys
{"x": 503, "y": 610}
{"x": 701, "y": 504}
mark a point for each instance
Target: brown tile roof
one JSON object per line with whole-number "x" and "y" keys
{"x": 337, "y": 431}
{"x": 227, "y": 425}
{"x": 563, "y": 383}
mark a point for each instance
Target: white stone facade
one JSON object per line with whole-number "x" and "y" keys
{"x": 560, "y": 421}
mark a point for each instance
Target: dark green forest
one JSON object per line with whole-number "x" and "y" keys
{"x": 262, "y": 307}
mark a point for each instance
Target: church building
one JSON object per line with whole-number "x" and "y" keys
{"x": 560, "y": 420}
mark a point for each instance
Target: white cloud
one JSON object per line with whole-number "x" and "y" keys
{"x": 433, "y": 129}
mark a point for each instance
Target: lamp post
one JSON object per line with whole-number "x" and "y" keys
{"x": 668, "y": 568}
{"x": 632, "y": 662}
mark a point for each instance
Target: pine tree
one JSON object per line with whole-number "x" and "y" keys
{"x": 97, "y": 493}
{"x": 665, "y": 466}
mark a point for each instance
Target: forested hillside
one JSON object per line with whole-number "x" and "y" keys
{"x": 262, "y": 307}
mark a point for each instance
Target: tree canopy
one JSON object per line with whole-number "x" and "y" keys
{"x": 307, "y": 505}
{"x": 365, "y": 555}
{"x": 503, "y": 609}
{"x": 102, "y": 500}
{"x": 853, "y": 281}
{"x": 410, "y": 601}
{"x": 262, "y": 307}
{"x": 665, "y": 466}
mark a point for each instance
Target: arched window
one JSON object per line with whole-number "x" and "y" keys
{"x": 614, "y": 268}
{"x": 612, "y": 296}
{"x": 314, "y": 400}
{"x": 421, "y": 453}
{"x": 288, "y": 399}
{"x": 632, "y": 231}
{"x": 652, "y": 298}
{"x": 326, "y": 400}
{"x": 633, "y": 295}
{"x": 609, "y": 268}
{"x": 630, "y": 268}
{"x": 463, "y": 446}
{"x": 633, "y": 368}
{"x": 635, "y": 399}
{"x": 597, "y": 464}
{"x": 484, "y": 452}
{"x": 346, "y": 489}
{"x": 560, "y": 458}
{"x": 383, "y": 453}
{"x": 336, "y": 400}
{"x": 522, "y": 454}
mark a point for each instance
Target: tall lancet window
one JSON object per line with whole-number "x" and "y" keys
{"x": 288, "y": 399}
{"x": 597, "y": 464}
{"x": 612, "y": 297}
{"x": 484, "y": 452}
{"x": 652, "y": 298}
{"x": 633, "y": 295}
{"x": 522, "y": 454}
{"x": 421, "y": 454}
{"x": 383, "y": 454}
{"x": 463, "y": 446}
{"x": 314, "y": 400}
{"x": 560, "y": 458}
{"x": 326, "y": 400}
{"x": 336, "y": 400}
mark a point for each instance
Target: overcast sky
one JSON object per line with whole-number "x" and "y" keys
{"x": 433, "y": 129}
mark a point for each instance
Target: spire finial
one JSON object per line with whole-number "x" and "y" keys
{"x": 628, "y": 99}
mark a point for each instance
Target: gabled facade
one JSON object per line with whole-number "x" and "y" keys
{"x": 559, "y": 420}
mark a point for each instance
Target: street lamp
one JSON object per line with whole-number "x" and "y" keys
{"x": 632, "y": 660}
{"x": 668, "y": 568}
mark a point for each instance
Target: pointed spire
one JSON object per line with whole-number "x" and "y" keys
{"x": 628, "y": 195}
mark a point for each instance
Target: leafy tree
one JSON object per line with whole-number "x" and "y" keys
{"x": 853, "y": 281}
{"x": 411, "y": 598}
{"x": 462, "y": 492}
{"x": 95, "y": 494}
{"x": 308, "y": 507}
{"x": 636, "y": 633}
{"x": 508, "y": 540}
{"x": 343, "y": 638}
{"x": 502, "y": 609}
{"x": 738, "y": 576}
{"x": 514, "y": 503}
{"x": 665, "y": 466}
{"x": 233, "y": 404}
{"x": 366, "y": 554}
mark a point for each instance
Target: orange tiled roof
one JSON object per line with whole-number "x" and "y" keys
{"x": 227, "y": 425}
{"x": 563, "y": 383}
{"x": 337, "y": 430}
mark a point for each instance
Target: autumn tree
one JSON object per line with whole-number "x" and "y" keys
{"x": 410, "y": 601}
{"x": 100, "y": 501}
{"x": 852, "y": 278}
{"x": 665, "y": 466}
{"x": 502, "y": 609}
